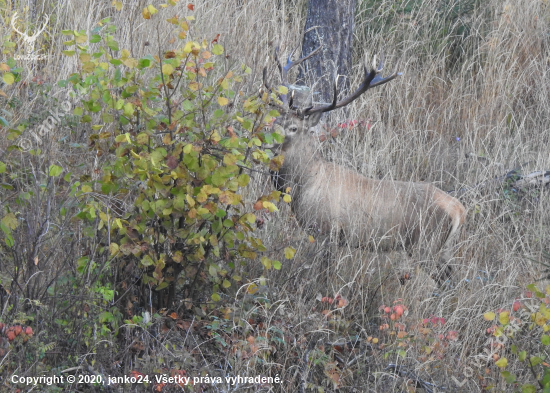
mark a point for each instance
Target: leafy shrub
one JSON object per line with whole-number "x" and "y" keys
{"x": 164, "y": 214}
{"x": 521, "y": 337}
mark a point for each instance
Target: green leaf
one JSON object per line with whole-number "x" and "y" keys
{"x": 144, "y": 63}
{"x": 217, "y": 49}
{"x": 161, "y": 286}
{"x": 147, "y": 261}
{"x": 535, "y": 360}
{"x": 545, "y": 340}
{"x": 2, "y": 167}
{"x": 113, "y": 45}
{"x": 528, "y": 389}
{"x": 55, "y": 170}
{"x": 216, "y": 297}
{"x": 277, "y": 265}
{"x": 522, "y": 356}
{"x": 510, "y": 378}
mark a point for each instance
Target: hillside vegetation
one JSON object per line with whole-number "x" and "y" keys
{"x": 141, "y": 238}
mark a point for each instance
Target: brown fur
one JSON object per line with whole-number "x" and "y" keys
{"x": 334, "y": 200}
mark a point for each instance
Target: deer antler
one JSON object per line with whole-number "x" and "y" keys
{"x": 371, "y": 79}
{"x": 287, "y": 104}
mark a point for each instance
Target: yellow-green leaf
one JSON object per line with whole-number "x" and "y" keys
{"x": 167, "y": 69}
{"x": 113, "y": 249}
{"x": 289, "y": 252}
{"x": 283, "y": 89}
{"x": 190, "y": 45}
{"x": 502, "y": 362}
{"x": 222, "y": 101}
{"x": 266, "y": 262}
{"x": 504, "y": 317}
{"x": 8, "y": 78}
{"x": 10, "y": 221}
{"x": 217, "y": 49}
{"x": 54, "y": 170}
{"x": 269, "y": 206}
{"x": 489, "y": 316}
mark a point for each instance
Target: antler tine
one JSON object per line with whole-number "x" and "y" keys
{"x": 381, "y": 64}
{"x": 378, "y": 80}
{"x": 286, "y": 68}
{"x": 290, "y": 63}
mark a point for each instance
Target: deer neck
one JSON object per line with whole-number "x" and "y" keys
{"x": 302, "y": 161}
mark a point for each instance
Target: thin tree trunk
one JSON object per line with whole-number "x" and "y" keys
{"x": 329, "y": 24}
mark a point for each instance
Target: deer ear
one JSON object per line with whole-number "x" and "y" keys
{"x": 314, "y": 118}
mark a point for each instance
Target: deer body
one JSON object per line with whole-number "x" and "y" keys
{"x": 383, "y": 214}
{"x": 334, "y": 200}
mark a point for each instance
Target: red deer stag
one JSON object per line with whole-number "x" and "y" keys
{"x": 334, "y": 200}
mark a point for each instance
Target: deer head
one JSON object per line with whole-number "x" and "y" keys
{"x": 296, "y": 121}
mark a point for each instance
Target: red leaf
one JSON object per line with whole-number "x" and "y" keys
{"x": 172, "y": 162}
{"x": 191, "y": 6}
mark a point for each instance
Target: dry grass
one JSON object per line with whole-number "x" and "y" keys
{"x": 485, "y": 95}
